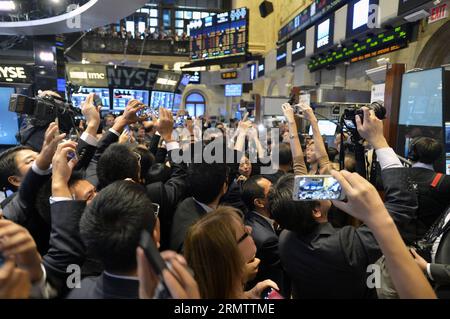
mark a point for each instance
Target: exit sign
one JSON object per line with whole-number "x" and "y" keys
{"x": 438, "y": 13}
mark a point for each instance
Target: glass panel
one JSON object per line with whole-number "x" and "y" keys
{"x": 179, "y": 14}
{"x": 195, "y": 98}
{"x": 179, "y": 23}
{"x": 188, "y": 15}
{"x": 145, "y": 10}
{"x": 130, "y": 27}
{"x": 141, "y": 27}
{"x": 196, "y": 15}
{"x": 205, "y": 14}
{"x": 199, "y": 110}
{"x": 191, "y": 109}
{"x": 153, "y": 22}
{"x": 152, "y": 30}
{"x": 154, "y": 13}
{"x": 166, "y": 18}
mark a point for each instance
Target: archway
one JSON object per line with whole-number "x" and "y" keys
{"x": 436, "y": 52}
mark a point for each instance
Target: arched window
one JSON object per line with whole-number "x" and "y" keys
{"x": 195, "y": 104}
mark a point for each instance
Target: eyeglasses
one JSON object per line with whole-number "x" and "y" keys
{"x": 156, "y": 209}
{"x": 247, "y": 233}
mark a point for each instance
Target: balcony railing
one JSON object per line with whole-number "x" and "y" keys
{"x": 98, "y": 44}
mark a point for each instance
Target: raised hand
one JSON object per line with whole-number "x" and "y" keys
{"x": 288, "y": 112}
{"x": 371, "y": 129}
{"x": 51, "y": 140}
{"x": 62, "y": 169}
{"x": 165, "y": 124}
{"x": 14, "y": 283}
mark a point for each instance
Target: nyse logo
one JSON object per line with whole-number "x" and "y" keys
{"x": 10, "y": 73}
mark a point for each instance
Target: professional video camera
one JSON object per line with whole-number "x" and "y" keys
{"x": 349, "y": 116}
{"x": 43, "y": 110}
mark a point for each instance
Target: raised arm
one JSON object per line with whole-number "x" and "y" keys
{"x": 365, "y": 204}
{"x": 319, "y": 145}
{"x": 296, "y": 147}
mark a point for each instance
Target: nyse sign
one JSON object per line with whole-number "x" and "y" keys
{"x": 126, "y": 77}
{"x": 15, "y": 74}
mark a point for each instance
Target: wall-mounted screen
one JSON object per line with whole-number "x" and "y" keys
{"x": 408, "y": 5}
{"x": 79, "y": 97}
{"x": 360, "y": 16}
{"x": 161, "y": 99}
{"x": 324, "y": 34}
{"x": 177, "y": 100}
{"x": 9, "y": 124}
{"x": 253, "y": 71}
{"x": 219, "y": 36}
{"x": 299, "y": 46}
{"x": 281, "y": 56}
{"x": 421, "y": 98}
{"x": 167, "y": 81}
{"x": 122, "y": 97}
{"x": 233, "y": 90}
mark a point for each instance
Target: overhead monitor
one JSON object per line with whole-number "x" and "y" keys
{"x": 299, "y": 46}
{"x": 361, "y": 16}
{"x": 233, "y": 90}
{"x": 167, "y": 81}
{"x": 324, "y": 34}
{"x": 162, "y": 99}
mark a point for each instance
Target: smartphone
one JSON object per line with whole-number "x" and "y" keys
{"x": 317, "y": 187}
{"x": 97, "y": 100}
{"x": 270, "y": 293}
{"x": 157, "y": 262}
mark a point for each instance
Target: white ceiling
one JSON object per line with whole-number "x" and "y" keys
{"x": 93, "y": 14}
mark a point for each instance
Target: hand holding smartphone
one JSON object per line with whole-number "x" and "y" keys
{"x": 317, "y": 187}
{"x": 271, "y": 293}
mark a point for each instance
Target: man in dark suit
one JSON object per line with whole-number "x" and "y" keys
{"x": 111, "y": 228}
{"x": 254, "y": 195}
{"x": 432, "y": 188}
{"x": 436, "y": 246}
{"x": 207, "y": 184}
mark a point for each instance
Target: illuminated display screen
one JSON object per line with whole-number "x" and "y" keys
{"x": 219, "y": 36}
{"x": 8, "y": 120}
{"x": 161, "y": 99}
{"x": 122, "y": 97}
{"x": 299, "y": 46}
{"x": 421, "y": 100}
{"x": 233, "y": 90}
{"x": 281, "y": 56}
{"x": 363, "y": 49}
{"x": 360, "y": 14}
{"x": 79, "y": 97}
{"x": 316, "y": 11}
{"x": 323, "y": 34}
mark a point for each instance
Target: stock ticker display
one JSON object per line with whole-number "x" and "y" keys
{"x": 219, "y": 36}
{"x": 362, "y": 49}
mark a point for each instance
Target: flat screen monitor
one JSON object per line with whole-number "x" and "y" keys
{"x": 79, "y": 97}
{"x": 122, "y": 97}
{"x": 324, "y": 34}
{"x": 167, "y": 81}
{"x": 360, "y": 16}
{"x": 421, "y": 98}
{"x": 326, "y": 128}
{"x": 9, "y": 124}
{"x": 233, "y": 90}
{"x": 161, "y": 99}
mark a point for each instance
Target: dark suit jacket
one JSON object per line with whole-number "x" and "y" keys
{"x": 332, "y": 263}
{"x": 106, "y": 287}
{"x": 432, "y": 201}
{"x": 21, "y": 209}
{"x": 442, "y": 257}
{"x": 168, "y": 195}
{"x": 66, "y": 247}
{"x": 91, "y": 171}
{"x": 266, "y": 241}
{"x": 85, "y": 153}
{"x": 187, "y": 214}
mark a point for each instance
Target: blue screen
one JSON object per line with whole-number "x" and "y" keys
{"x": 233, "y": 90}
{"x": 79, "y": 97}
{"x": 122, "y": 97}
{"x": 421, "y": 101}
{"x": 162, "y": 99}
{"x": 8, "y": 120}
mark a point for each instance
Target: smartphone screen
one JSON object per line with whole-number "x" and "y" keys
{"x": 311, "y": 188}
{"x": 271, "y": 293}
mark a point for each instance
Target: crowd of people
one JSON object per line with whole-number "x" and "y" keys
{"x": 85, "y": 215}
{"x": 158, "y": 34}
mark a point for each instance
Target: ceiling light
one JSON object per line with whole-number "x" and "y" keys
{"x": 46, "y": 56}
{"x": 7, "y": 6}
